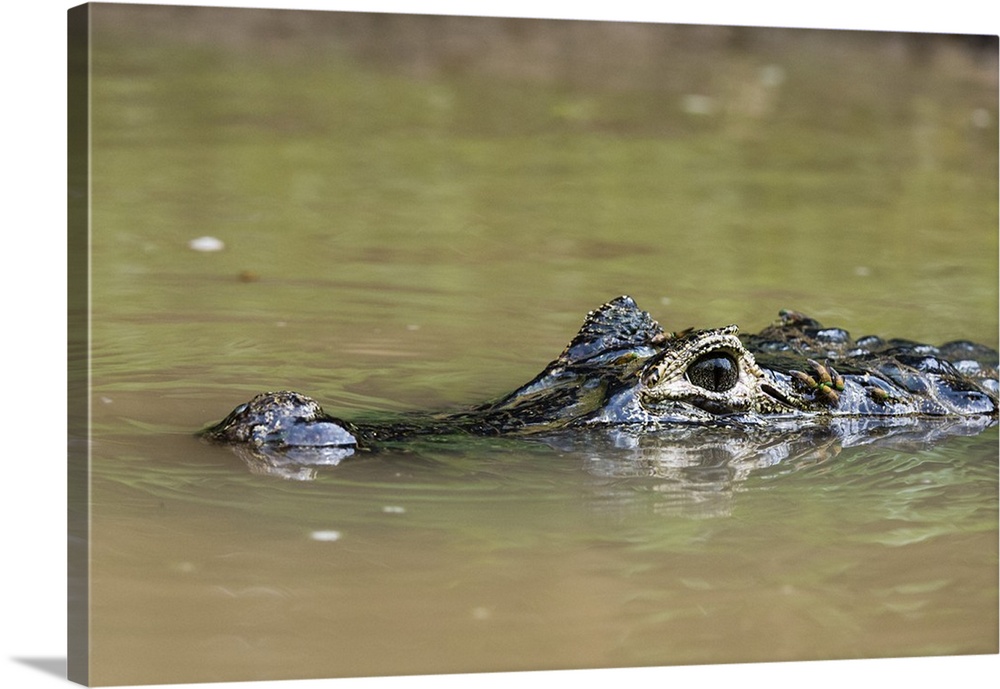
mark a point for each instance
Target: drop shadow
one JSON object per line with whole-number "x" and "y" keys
{"x": 52, "y": 666}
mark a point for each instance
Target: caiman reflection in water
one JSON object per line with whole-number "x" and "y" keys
{"x": 623, "y": 383}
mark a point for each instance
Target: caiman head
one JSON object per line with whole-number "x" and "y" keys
{"x": 707, "y": 369}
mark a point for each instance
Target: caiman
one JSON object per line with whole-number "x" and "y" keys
{"x": 622, "y": 370}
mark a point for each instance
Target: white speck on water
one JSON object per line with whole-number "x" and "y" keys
{"x": 665, "y": 301}
{"x": 394, "y": 509}
{"x": 327, "y": 536}
{"x": 862, "y": 271}
{"x": 207, "y": 244}
{"x": 481, "y": 613}
{"x": 413, "y": 326}
{"x": 106, "y": 400}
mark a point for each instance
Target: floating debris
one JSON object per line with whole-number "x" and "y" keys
{"x": 328, "y": 536}
{"x": 206, "y": 244}
{"x": 248, "y": 276}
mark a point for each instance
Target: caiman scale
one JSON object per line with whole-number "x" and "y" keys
{"x": 622, "y": 369}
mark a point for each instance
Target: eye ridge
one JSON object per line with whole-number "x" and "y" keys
{"x": 714, "y": 371}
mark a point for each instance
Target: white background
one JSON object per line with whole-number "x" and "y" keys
{"x": 33, "y": 377}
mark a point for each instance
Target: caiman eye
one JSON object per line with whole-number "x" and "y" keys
{"x": 716, "y": 372}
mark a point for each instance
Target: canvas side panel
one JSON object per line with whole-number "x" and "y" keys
{"x": 78, "y": 344}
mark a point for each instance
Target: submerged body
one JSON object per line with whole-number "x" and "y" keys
{"x": 623, "y": 370}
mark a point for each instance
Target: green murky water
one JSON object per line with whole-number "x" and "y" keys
{"x": 402, "y": 239}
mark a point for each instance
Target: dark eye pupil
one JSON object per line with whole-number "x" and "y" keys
{"x": 715, "y": 372}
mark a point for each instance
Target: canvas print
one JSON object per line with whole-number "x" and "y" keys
{"x": 412, "y": 344}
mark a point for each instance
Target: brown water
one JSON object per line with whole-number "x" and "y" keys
{"x": 398, "y": 240}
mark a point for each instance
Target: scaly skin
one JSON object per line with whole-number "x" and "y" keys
{"x": 623, "y": 369}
